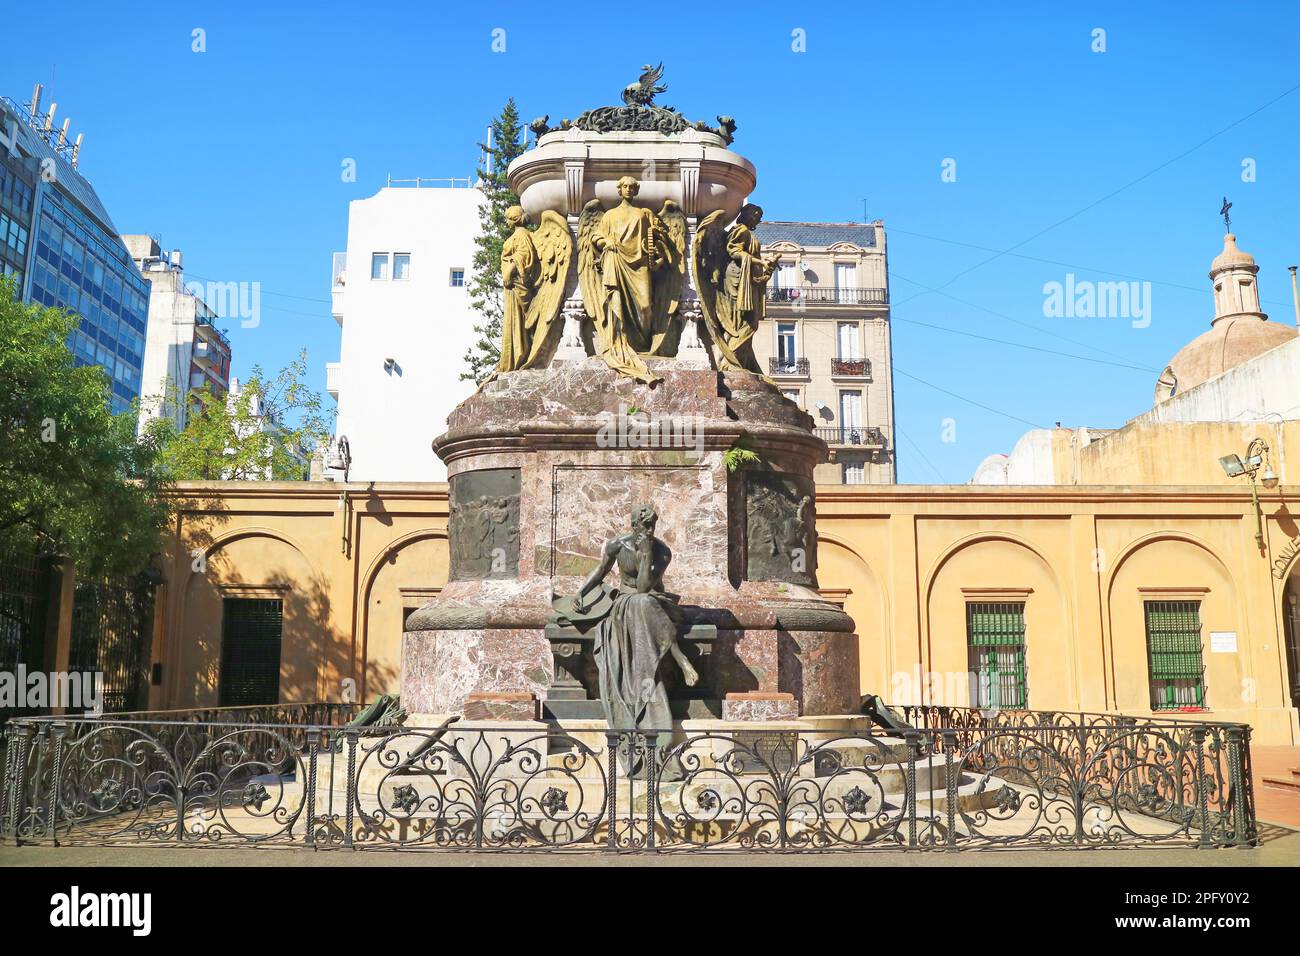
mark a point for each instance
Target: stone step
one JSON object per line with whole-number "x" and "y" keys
{"x": 1286, "y": 783}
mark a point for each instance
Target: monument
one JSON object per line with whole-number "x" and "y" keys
{"x": 627, "y": 386}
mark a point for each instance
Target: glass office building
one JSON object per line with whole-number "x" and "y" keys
{"x": 59, "y": 240}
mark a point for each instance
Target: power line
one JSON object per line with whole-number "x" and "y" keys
{"x": 917, "y": 448}
{"x": 282, "y": 295}
{"x": 1032, "y": 348}
{"x": 1116, "y": 192}
{"x": 1000, "y": 315}
{"x": 1067, "y": 265}
{"x": 968, "y": 401}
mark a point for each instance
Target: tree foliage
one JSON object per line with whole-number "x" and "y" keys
{"x": 270, "y": 429}
{"x": 75, "y": 479}
{"x": 485, "y": 285}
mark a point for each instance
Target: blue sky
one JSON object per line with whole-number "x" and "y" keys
{"x": 1105, "y": 165}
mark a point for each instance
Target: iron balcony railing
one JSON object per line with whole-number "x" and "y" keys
{"x": 866, "y": 436}
{"x": 930, "y": 779}
{"x": 787, "y": 366}
{"x": 851, "y": 368}
{"x": 827, "y": 295}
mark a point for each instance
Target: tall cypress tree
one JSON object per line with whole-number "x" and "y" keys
{"x": 485, "y": 286}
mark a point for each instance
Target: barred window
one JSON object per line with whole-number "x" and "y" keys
{"x": 995, "y": 633}
{"x": 1174, "y": 655}
{"x": 250, "y": 651}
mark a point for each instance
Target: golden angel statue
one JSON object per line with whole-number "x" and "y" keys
{"x": 534, "y": 270}
{"x": 631, "y": 266}
{"x": 730, "y": 277}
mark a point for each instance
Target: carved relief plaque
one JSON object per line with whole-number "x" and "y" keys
{"x": 780, "y": 534}
{"x": 484, "y": 524}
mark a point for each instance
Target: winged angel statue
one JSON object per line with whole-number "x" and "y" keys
{"x": 631, "y": 267}
{"x": 730, "y": 276}
{"x": 534, "y": 270}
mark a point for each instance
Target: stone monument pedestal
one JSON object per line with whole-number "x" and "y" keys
{"x": 545, "y": 466}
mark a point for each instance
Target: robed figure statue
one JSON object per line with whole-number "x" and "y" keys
{"x": 638, "y": 629}
{"x": 631, "y": 267}
{"x": 534, "y": 269}
{"x": 731, "y": 277}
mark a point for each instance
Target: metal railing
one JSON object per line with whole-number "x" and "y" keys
{"x": 867, "y": 436}
{"x": 1035, "y": 781}
{"x": 851, "y": 368}
{"x": 828, "y": 295}
{"x": 446, "y": 182}
{"x": 786, "y": 366}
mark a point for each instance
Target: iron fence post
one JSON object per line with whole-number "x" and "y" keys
{"x": 611, "y": 799}
{"x": 22, "y": 744}
{"x": 311, "y": 794}
{"x": 41, "y": 743}
{"x": 6, "y": 783}
{"x": 1201, "y": 791}
{"x": 950, "y": 781}
{"x": 913, "y": 739}
{"x": 1236, "y": 799}
{"x": 57, "y": 733}
{"x": 651, "y": 796}
{"x": 351, "y": 735}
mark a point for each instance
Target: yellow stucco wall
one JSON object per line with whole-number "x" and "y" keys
{"x": 904, "y": 559}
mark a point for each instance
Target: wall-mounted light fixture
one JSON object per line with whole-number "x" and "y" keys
{"x": 1256, "y": 458}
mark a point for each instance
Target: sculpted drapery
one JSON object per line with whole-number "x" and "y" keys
{"x": 534, "y": 270}
{"x": 630, "y": 267}
{"x": 637, "y": 629}
{"x": 731, "y": 276}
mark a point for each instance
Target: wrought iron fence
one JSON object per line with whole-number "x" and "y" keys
{"x": 24, "y": 605}
{"x": 1060, "y": 781}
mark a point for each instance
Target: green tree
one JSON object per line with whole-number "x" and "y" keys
{"x": 485, "y": 286}
{"x": 75, "y": 479}
{"x": 270, "y": 429}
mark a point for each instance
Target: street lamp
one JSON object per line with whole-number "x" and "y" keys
{"x": 1256, "y": 458}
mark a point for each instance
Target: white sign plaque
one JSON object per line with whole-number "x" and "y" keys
{"x": 1223, "y": 642}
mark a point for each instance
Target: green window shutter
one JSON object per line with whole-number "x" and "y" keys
{"x": 250, "y": 651}
{"x": 1174, "y": 654}
{"x": 995, "y": 633}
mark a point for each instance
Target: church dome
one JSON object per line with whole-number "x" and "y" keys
{"x": 1225, "y": 345}
{"x": 1239, "y": 331}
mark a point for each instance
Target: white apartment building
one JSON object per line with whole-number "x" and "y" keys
{"x": 183, "y": 348}
{"x": 401, "y": 296}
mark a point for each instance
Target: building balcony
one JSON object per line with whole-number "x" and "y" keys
{"x": 817, "y": 295}
{"x": 852, "y": 436}
{"x": 207, "y": 355}
{"x": 789, "y": 368}
{"x": 205, "y": 330}
{"x": 332, "y": 375}
{"x": 851, "y": 368}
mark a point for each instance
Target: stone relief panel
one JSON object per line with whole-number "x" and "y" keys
{"x": 591, "y": 503}
{"x": 484, "y": 524}
{"x": 780, "y": 533}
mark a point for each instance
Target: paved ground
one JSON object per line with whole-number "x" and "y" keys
{"x": 1275, "y": 804}
{"x": 1281, "y": 847}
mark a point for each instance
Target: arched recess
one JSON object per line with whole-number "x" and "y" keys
{"x": 1172, "y": 566}
{"x": 997, "y": 567}
{"x": 843, "y": 573}
{"x": 259, "y": 563}
{"x": 400, "y": 578}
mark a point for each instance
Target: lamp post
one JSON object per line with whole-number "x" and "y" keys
{"x": 1256, "y": 458}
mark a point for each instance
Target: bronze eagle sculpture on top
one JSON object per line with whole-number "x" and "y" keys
{"x": 643, "y": 91}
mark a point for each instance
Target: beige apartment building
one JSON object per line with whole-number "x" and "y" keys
{"x": 825, "y": 341}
